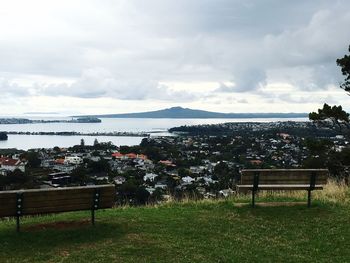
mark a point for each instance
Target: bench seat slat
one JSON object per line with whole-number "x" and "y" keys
{"x": 281, "y": 181}
{"x": 66, "y": 202}
{"x": 66, "y": 196}
{"x": 53, "y": 209}
{"x": 281, "y": 187}
{"x": 284, "y": 176}
{"x": 59, "y": 209}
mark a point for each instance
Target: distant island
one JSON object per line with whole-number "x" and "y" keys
{"x": 28, "y": 121}
{"x": 185, "y": 113}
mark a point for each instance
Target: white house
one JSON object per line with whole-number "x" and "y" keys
{"x": 73, "y": 160}
{"x": 187, "y": 179}
{"x": 150, "y": 176}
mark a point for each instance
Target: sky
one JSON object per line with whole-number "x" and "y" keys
{"x": 115, "y": 56}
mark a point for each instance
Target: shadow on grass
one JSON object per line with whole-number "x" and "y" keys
{"x": 286, "y": 211}
{"x": 46, "y": 237}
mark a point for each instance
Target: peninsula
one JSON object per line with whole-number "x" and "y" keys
{"x": 28, "y": 121}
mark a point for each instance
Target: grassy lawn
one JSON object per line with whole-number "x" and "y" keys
{"x": 205, "y": 231}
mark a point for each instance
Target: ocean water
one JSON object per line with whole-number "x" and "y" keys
{"x": 159, "y": 126}
{"x": 25, "y": 142}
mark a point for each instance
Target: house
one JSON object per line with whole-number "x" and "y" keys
{"x": 150, "y": 189}
{"x": 118, "y": 155}
{"x": 160, "y": 185}
{"x": 73, "y": 160}
{"x": 119, "y": 180}
{"x": 256, "y": 162}
{"x": 10, "y": 164}
{"x": 187, "y": 179}
{"x": 150, "y": 177}
{"x": 132, "y": 156}
{"x": 47, "y": 163}
{"x": 142, "y": 157}
{"x": 59, "y": 161}
{"x": 226, "y": 192}
{"x": 167, "y": 163}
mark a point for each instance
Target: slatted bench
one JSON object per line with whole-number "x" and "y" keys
{"x": 282, "y": 179}
{"x": 45, "y": 201}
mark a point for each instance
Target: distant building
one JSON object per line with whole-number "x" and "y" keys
{"x": 73, "y": 160}
{"x": 150, "y": 176}
{"x": 167, "y": 163}
{"x": 187, "y": 179}
{"x": 10, "y": 164}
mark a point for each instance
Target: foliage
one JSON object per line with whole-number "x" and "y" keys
{"x": 99, "y": 166}
{"x": 79, "y": 176}
{"x": 16, "y": 180}
{"x": 32, "y": 158}
{"x": 344, "y": 63}
{"x": 318, "y": 147}
{"x": 333, "y": 116}
{"x": 224, "y": 174}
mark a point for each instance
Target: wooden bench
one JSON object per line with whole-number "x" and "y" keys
{"x": 282, "y": 179}
{"x": 45, "y": 201}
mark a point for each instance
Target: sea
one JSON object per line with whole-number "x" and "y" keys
{"x": 157, "y": 127}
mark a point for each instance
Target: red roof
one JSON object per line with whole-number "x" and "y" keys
{"x": 129, "y": 155}
{"x": 117, "y": 155}
{"x": 9, "y": 161}
{"x": 256, "y": 162}
{"x": 59, "y": 161}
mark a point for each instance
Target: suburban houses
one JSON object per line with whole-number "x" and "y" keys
{"x": 200, "y": 164}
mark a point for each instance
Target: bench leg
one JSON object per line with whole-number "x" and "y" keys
{"x": 308, "y": 198}
{"x": 17, "y": 223}
{"x": 253, "y": 198}
{"x": 93, "y": 217}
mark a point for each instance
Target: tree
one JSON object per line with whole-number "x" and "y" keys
{"x": 82, "y": 143}
{"x": 3, "y": 136}
{"x": 142, "y": 195}
{"x": 224, "y": 174}
{"x": 344, "y": 63}
{"x": 333, "y": 116}
{"x": 337, "y": 119}
{"x": 57, "y": 149}
{"x": 79, "y": 176}
{"x": 33, "y": 159}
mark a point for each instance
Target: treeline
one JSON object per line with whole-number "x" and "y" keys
{"x": 241, "y": 129}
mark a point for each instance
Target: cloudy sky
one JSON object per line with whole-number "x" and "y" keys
{"x": 117, "y": 56}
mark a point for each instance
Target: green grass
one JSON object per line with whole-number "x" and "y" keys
{"x": 204, "y": 231}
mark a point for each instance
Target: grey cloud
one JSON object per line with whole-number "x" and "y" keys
{"x": 124, "y": 49}
{"x": 8, "y": 89}
{"x": 244, "y": 81}
{"x": 98, "y": 82}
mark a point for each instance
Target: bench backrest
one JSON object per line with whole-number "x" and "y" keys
{"x": 284, "y": 176}
{"x": 44, "y": 201}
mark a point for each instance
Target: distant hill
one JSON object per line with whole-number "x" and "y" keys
{"x": 184, "y": 113}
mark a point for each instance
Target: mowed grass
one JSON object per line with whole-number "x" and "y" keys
{"x": 203, "y": 231}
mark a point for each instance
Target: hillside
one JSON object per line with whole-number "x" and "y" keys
{"x": 203, "y": 231}
{"x": 184, "y": 113}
